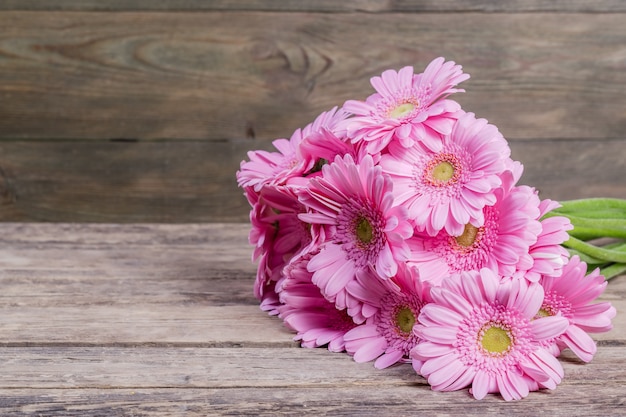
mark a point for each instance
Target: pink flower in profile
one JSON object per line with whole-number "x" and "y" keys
{"x": 363, "y": 229}
{"x": 547, "y": 253}
{"x": 449, "y": 188}
{"x": 501, "y": 244}
{"x": 278, "y": 234}
{"x": 481, "y": 332}
{"x": 407, "y": 107}
{"x": 324, "y": 146}
{"x": 278, "y": 168}
{"x": 274, "y": 168}
{"x": 570, "y": 295}
{"x": 305, "y": 310}
{"x": 388, "y": 333}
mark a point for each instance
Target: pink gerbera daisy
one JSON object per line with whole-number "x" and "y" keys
{"x": 570, "y": 295}
{"x": 304, "y": 309}
{"x": 501, "y": 243}
{"x": 362, "y": 227}
{"x": 449, "y": 188}
{"x": 388, "y": 333}
{"x": 481, "y": 332}
{"x": 407, "y": 107}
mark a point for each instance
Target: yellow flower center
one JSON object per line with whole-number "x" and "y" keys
{"x": 542, "y": 313}
{"x": 364, "y": 230}
{"x": 495, "y": 339}
{"x": 443, "y": 171}
{"x": 401, "y": 110}
{"x": 469, "y": 235}
{"x": 405, "y": 319}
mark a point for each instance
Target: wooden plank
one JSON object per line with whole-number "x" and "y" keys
{"x": 565, "y": 170}
{"x": 579, "y": 400}
{"x": 275, "y": 367}
{"x": 100, "y": 286}
{"x": 122, "y": 181}
{"x": 70, "y": 236}
{"x": 266, "y": 380}
{"x": 150, "y": 285}
{"x": 148, "y": 324}
{"x": 135, "y": 368}
{"x": 121, "y": 320}
{"x": 371, "y": 6}
{"x": 194, "y": 181}
{"x": 217, "y": 75}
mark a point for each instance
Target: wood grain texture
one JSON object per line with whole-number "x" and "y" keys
{"x": 159, "y": 320}
{"x": 184, "y": 94}
{"x": 344, "y": 401}
{"x": 370, "y": 6}
{"x": 210, "y": 368}
{"x": 230, "y": 75}
{"x": 194, "y": 181}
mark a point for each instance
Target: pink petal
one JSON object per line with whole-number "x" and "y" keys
{"x": 386, "y": 266}
{"x": 426, "y": 350}
{"x": 512, "y": 386}
{"x": 438, "y": 334}
{"x": 595, "y": 318}
{"x": 580, "y": 343}
{"x": 336, "y": 280}
{"x": 464, "y": 380}
{"x": 458, "y": 212}
{"x": 453, "y": 301}
{"x": 549, "y": 327}
{"x": 361, "y": 332}
{"x": 388, "y": 359}
{"x": 447, "y": 375}
{"x": 370, "y": 350}
{"x": 481, "y": 384}
{"x": 357, "y": 107}
{"x": 439, "y": 216}
{"x": 433, "y": 314}
{"x": 435, "y": 364}
{"x": 550, "y": 365}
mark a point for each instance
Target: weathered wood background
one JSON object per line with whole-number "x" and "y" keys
{"x": 159, "y": 320}
{"x": 140, "y": 111}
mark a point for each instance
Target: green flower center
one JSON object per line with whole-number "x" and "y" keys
{"x": 496, "y": 340}
{"x": 469, "y": 235}
{"x": 317, "y": 167}
{"x": 543, "y": 312}
{"x": 364, "y": 230}
{"x": 401, "y": 110}
{"x": 405, "y": 319}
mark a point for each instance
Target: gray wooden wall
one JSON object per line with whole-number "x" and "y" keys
{"x": 140, "y": 111}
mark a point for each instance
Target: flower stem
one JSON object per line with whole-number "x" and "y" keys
{"x": 597, "y": 252}
{"x": 587, "y": 233}
{"x": 586, "y": 228}
{"x": 593, "y": 219}
{"x": 593, "y": 204}
{"x": 590, "y": 214}
{"x": 589, "y": 260}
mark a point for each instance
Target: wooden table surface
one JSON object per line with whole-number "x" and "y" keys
{"x": 159, "y": 320}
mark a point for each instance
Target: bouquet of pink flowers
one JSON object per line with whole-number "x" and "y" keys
{"x": 395, "y": 229}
